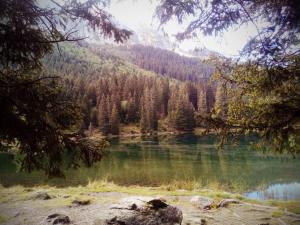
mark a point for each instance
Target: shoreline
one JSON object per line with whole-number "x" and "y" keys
{"x": 131, "y": 134}
{"x": 18, "y": 203}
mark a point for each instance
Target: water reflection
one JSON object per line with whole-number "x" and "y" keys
{"x": 182, "y": 159}
{"x": 285, "y": 192}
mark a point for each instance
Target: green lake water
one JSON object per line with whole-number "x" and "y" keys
{"x": 183, "y": 160}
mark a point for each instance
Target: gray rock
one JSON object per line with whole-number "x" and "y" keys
{"x": 81, "y": 202}
{"x": 226, "y": 202}
{"x": 202, "y": 202}
{"x": 42, "y": 196}
{"x": 58, "y": 219}
{"x": 144, "y": 211}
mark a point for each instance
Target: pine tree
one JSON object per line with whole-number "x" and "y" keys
{"x": 148, "y": 108}
{"x": 131, "y": 111}
{"x": 143, "y": 122}
{"x": 94, "y": 117}
{"x": 202, "y": 102}
{"x": 153, "y": 107}
{"x": 90, "y": 129}
{"x": 221, "y": 101}
{"x": 103, "y": 117}
{"x": 182, "y": 118}
{"x": 165, "y": 95}
{"x": 114, "y": 121}
{"x": 210, "y": 97}
{"x": 86, "y": 111}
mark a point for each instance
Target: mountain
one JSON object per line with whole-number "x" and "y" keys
{"x": 164, "y": 62}
{"x": 147, "y": 36}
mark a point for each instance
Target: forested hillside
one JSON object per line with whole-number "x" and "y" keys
{"x": 161, "y": 61}
{"x": 112, "y": 91}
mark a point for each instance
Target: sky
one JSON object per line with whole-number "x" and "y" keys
{"x": 137, "y": 14}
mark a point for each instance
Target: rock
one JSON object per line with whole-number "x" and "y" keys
{"x": 81, "y": 202}
{"x": 28, "y": 190}
{"x": 144, "y": 211}
{"x": 226, "y": 202}
{"x": 157, "y": 204}
{"x": 58, "y": 219}
{"x": 42, "y": 196}
{"x": 203, "y": 222}
{"x": 202, "y": 202}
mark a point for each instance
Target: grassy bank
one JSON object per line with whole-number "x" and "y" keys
{"x": 17, "y": 193}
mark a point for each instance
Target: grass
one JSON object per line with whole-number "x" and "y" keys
{"x": 291, "y": 206}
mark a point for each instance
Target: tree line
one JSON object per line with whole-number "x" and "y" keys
{"x": 111, "y": 93}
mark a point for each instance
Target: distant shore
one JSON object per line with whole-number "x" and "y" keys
{"x": 134, "y": 131}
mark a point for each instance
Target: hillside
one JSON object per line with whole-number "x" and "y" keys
{"x": 112, "y": 90}
{"x": 164, "y": 62}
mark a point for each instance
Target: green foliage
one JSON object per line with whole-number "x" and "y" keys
{"x": 267, "y": 100}
{"x": 36, "y": 114}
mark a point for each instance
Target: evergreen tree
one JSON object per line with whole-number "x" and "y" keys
{"x": 202, "y": 102}
{"x": 131, "y": 111}
{"x": 94, "y": 117}
{"x": 182, "y": 118}
{"x": 114, "y": 121}
{"x": 143, "y": 121}
{"x": 210, "y": 96}
{"x": 154, "y": 105}
{"x": 221, "y": 101}
{"x": 90, "y": 129}
{"x": 86, "y": 112}
{"x": 104, "y": 117}
{"x": 165, "y": 95}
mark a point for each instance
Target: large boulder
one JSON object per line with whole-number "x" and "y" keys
{"x": 201, "y": 202}
{"x": 144, "y": 211}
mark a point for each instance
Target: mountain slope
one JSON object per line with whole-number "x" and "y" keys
{"x": 163, "y": 62}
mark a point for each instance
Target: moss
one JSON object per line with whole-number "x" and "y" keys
{"x": 277, "y": 213}
{"x": 291, "y": 206}
{"x": 56, "y": 202}
{"x": 3, "y": 219}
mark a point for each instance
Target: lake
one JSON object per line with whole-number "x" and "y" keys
{"x": 180, "y": 160}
